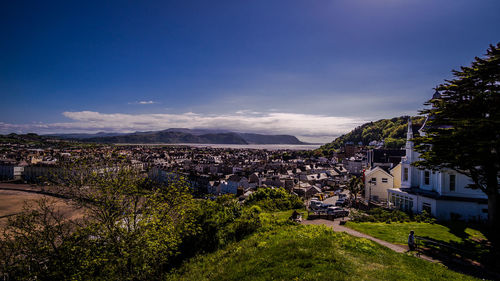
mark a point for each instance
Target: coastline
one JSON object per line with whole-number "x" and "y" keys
{"x": 235, "y": 146}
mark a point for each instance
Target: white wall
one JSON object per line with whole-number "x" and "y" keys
{"x": 379, "y": 189}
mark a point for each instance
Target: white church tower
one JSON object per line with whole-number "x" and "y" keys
{"x": 409, "y": 174}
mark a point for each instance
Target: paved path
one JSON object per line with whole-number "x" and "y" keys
{"x": 340, "y": 228}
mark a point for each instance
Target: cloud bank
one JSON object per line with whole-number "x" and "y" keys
{"x": 307, "y": 127}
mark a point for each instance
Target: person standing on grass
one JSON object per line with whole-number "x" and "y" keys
{"x": 411, "y": 241}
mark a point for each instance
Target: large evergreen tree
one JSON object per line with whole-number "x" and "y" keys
{"x": 463, "y": 127}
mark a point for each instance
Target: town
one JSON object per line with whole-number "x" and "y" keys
{"x": 387, "y": 174}
{"x": 250, "y": 140}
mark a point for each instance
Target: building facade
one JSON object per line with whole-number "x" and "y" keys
{"x": 444, "y": 193}
{"x": 377, "y": 182}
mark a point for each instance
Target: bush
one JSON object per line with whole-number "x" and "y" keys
{"x": 245, "y": 225}
{"x": 424, "y": 217}
{"x": 389, "y": 216}
{"x": 275, "y": 199}
{"x": 218, "y": 223}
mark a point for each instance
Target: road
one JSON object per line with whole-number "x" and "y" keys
{"x": 333, "y": 199}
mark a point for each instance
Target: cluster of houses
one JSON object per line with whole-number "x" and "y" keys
{"x": 303, "y": 177}
{"x": 21, "y": 162}
{"x": 208, "y": 170}
{"x": 389, "y": 177}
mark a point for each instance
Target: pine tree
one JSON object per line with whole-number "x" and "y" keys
{"x": 463, "y": 128}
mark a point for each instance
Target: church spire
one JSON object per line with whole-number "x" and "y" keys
{"x": 409, "y": 142}
{"x": 409, "y": 133}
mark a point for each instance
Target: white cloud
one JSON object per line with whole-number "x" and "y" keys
{"x": 143, "y": 102}
{"x": 307, "y": 127}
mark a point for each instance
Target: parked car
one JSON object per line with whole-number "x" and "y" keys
{"x": 326, "y": 206}
{"x": 332, "y": 210}
{"x": 341, "y": 202}
{"x": 322, "y": 208}
{"x": 337, "y": 212}
{"x": 315, "y": 205}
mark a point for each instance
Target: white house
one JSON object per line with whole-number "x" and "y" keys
{"x": 442, "y": 193}
{"x": 377, "y": 182}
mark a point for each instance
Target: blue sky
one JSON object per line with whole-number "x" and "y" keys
{"x": 314, "y": 69}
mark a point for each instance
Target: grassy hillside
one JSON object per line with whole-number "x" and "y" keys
{"x": 391, "y": 131}
{"x": 473, "y": 244}
{"x": 298, "y": 252}
{"x": 398, "y": 232}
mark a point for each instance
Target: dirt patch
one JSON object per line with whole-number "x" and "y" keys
{"x": 14, "y": 201}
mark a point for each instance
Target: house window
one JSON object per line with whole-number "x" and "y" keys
{"x": 426, "y": 207}
{"x": 373, "y": 180}
{"x": 452, "y": 182}
{"x": 402, "y": 202}
{"x": 384, "y": 180}
{"x": 405, "y": 174}
{"x": 427, "y": 177}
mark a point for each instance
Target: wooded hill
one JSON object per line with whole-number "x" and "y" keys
{"x": 391, "y": 131}
{"x": 183, "y": 135}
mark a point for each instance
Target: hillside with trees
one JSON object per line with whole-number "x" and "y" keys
{"x": 391, "y": 131}
{"x": 183, "y": 135}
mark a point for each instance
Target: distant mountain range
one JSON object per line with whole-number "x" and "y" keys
{"x": 183, "y": 135}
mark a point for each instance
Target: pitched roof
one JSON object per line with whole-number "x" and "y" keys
{"x": 369, "y": 172}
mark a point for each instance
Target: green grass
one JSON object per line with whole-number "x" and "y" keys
{"x": 299, "y": 252}
{"x": 460, "y": 240}
{"x": 398, "y": 232}
{"x": 280, "y": 217}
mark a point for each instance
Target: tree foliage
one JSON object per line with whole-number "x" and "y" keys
{"x": 463, "y": 127}
{"x": 130, "y": 229}
{"x": 355, "y": 186}
{"x": 391, "y": 131}
{"x": 389, "y": 216}
{"x": 219, "y": 222}
{"x": 275, "y": 199}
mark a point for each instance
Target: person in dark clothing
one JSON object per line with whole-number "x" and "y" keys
{"x": 296, "y": 216}
{"x": 411, "y": 241}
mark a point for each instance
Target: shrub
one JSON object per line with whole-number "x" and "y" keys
{"x": 248, "y": 223}
{"x": 274, "y": 199}
{"x": 219, "y": 223}
{"x": 389, "y": 216}
{"x": 424, "y": 217}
